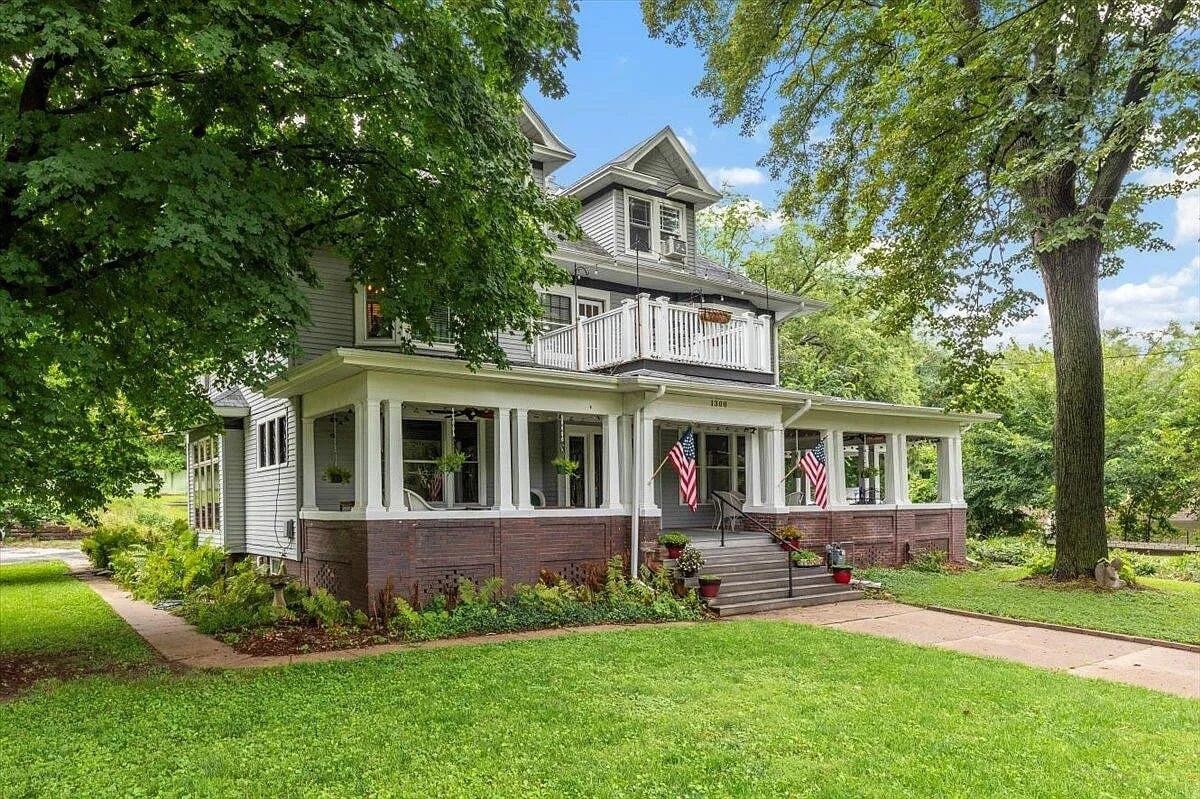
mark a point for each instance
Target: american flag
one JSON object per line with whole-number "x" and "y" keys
{"x": 683, "y": 458}
{"x": 813, "y": 463}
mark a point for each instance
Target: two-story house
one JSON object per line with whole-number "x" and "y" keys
{"x": 335, "y": 470}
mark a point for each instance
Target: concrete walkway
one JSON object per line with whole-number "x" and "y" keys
{"x": 1164, "y": 669}
{"x": 68, "y": 554}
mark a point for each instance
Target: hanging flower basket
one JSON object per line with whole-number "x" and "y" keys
{"x": 565, "y": 466}
{"x": 452, "y": 462}
{"x": 716, "y": 315}
{"x": 336, "y": 474}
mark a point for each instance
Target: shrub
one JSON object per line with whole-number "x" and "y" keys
{"x": 674, "y": 539}
{"x": 1041, "y": 561}
{"x": 1180, "y": 567}
{"x": 104, "y": 542}
{"x": 170, "y": 568}
{"x": 328, "y": 611}
{"x": 806, "y": 557}
{"x": 1011, "y": 551}
{"x": 790, "y": 533}
{"x": 239, "y": 601}
{"x": 931, "y": 561}
{"x": 689, "y": 561}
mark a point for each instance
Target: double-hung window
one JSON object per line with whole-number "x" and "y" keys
{"x": 651, "y": 223}
{"x": 377, "y": 328}
{"x": 206, "y": 484}
{"x": 556, "y": 311}
{"x": 272, "y": 442}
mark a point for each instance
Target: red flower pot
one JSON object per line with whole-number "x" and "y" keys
{"x": 841, "y": 574}
{"x": 674, "y": 552}
{"x": 710, "y": 588}
{"x": 792, "y": 545}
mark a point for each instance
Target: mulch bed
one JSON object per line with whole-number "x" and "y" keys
{"x": 298, "y": 639}
{"x": 18, "y": 673}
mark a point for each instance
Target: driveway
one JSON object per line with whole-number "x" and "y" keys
{"x": 27, "y": 554}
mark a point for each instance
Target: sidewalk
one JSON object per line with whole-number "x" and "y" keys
{"x": 1161, "y": 668}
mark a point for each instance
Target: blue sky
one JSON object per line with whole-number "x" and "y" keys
{"x": 626, "y": 86}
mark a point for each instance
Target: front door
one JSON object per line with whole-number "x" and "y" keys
{"x": 583, "y": 447}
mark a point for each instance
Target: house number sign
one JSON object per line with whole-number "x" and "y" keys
{"x": 719, "y": 403}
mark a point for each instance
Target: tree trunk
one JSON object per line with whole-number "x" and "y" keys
{"x": 1071, "y": 276}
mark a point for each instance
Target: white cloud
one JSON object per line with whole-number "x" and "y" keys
{"x": 688, "y": 145}
{"x": 1187, "y": 218}
{"x": 767, "y": 221}
{"x": 1140, "y": 306}
{"x": 736, "y": 175}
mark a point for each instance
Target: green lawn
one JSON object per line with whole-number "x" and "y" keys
{"x": 761, "y": 709}
{"x": 1168, "y": 609}
{"x": 50, "y": 619}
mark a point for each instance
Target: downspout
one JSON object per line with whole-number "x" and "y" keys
{"x": 807, "y": 407}
{"x": 635, "y": 501}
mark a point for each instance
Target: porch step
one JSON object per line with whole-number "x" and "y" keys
{"x": 777, "y": 591}
{"x": 750, "y": 581}
{"x": 837, "y": 594}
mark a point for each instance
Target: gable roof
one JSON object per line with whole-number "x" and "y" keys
{"x": 694, "y": 187}
{"x": 547, "y": 147}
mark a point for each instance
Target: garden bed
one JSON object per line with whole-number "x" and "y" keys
{"x": 299, "y": 639}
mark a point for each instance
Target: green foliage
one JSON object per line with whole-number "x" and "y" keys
{"x": 485, "y": 610}
{"x": 328, "y": 611}
{"x": 790, "y": 533}
{"x": 674, "y": 538}
{"x": 451, "y": 462}
{"x": 1009, "y": 551}
{"x": 565, "y": 466}
{"x": 170, "y": 168}
{"x": 806, "y": 557}
{"x": 169, "y": 568}
{"x": 107, "y": 540}
{"x": 240, "y": 601}
{"x": 931, "y": 561}
{"x": 1041, "y": 561}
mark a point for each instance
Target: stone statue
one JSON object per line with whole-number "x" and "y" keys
{"x": 1108, "y": 573}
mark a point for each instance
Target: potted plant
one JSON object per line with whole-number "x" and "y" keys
{"x": 790, "y": 537}
{"x": 806, "y": 559}
{"x": 841, "y": 574}
{"x": 565, "y": 466}
{"x": 336, "y": 474}
{"x": 674, "y": 542}
{"x": 717, "y": 315}
{"x": 689, "y": 561}
{"x": 710, "y": 586}
{"x": 452, "y": 462}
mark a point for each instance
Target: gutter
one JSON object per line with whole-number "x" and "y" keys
{"x": 807, "y": 407}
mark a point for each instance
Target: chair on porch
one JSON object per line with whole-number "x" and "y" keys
{"x": 794, "y": 498}
{"x": 415, "y": 501}
{"x": 723, "y": 504}
{"x": 536, "y": 498}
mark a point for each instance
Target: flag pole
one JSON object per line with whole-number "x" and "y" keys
{"x": 659, "y": 469}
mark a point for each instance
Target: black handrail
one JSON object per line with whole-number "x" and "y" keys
{"x": 741, "y": 513}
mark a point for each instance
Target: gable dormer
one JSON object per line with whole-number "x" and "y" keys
{"x": 642, "y": 204}
{"x": 549, "y": 151}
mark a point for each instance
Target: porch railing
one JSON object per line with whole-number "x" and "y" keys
{"x": 659, "y": 330}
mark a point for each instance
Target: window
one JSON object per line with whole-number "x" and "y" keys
{"x": 376, "y": 327}
{"x": 206, "y": 484}
{"x": 439, "y": 320}
{"x": 652, "y": 220}
{"x": 590, "y": 308}
{"x": 272, "y": 442}
{"x": 556, "y": 311}
{"x": 466, "y": 482}
{"x": 865, "y": 468}
{"x": 639, "y": 224}
{"x": 422, "y": 448}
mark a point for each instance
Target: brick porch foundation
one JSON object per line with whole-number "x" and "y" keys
{"x": 356, "y": 559}
{"x": 880, "y": 537}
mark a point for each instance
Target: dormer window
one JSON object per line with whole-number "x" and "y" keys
{"x": 376, "y": 327}
{"x": 653, "y": 224}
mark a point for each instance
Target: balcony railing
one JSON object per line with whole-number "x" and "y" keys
{"x": 657, "y": 329}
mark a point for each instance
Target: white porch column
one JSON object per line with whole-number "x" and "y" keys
{"x": 754, "y": 468}
{"x": 625, "y": 439}
{"x": 897, "y": 468}
{"x": 945, "y": 470}
{"x": 308, "y": 465}
{"x": 957, "y": 492}
{"x": 520, "y": 457}
{"x": 643, "y": 488}
{"x": 835, "y": 467}
{"x": 368, "y": 485}
{"x": 502, "y": 447}
{"x": 612, "y": 462}
{"x": 775, "y": 489}
{"x": 394, "y": 450}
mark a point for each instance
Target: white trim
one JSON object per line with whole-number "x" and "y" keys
{"x": 883, "y": 508}
{"x": 656, "y": 206}
{"x": 258, "y": 425}
{"x": 482, "y": 513}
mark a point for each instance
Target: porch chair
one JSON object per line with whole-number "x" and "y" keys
{"x": 536, "y": 498}
{"x": 415, "y": 501}
{"x": 722, "y": 510}
{"x": 794, "y": 498}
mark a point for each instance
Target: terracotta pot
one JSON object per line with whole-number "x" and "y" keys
{"x": 841, "y": 574}
{"x": 674, "y": 552}
{"x": 710, "y": 588}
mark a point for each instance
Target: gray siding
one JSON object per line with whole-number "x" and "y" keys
{"x": 233, "y": 483}
{"x": 515, "y": 348}
{"x": 675, "y": 515}
{"x": 598, "y": 220}
{"x": 271, "y": 492}
{"x": 690, "y": 213}
{"x": 618, "y": 213}
{"x": 655, "y": 164}
{"x": 331, "y": 308}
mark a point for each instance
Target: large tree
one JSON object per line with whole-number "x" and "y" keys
{"x": 169, "y": 167}
{"x": 957, "y": 142}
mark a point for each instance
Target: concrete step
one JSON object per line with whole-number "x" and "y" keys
{"x": 744, "y": 594}
{"x": 763, "y": 605}
{"x": 741, "y": 582}
{"x": 777, "y": 557}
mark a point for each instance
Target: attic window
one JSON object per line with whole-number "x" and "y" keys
{"x": 639, "y": 224}
{"x": 376, "y": 327}
{"x": 653, "y": 223}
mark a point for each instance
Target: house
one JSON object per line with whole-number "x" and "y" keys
{"x": 333, "y": 470}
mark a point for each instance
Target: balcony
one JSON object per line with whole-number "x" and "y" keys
{"x": 659, "y": 330}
